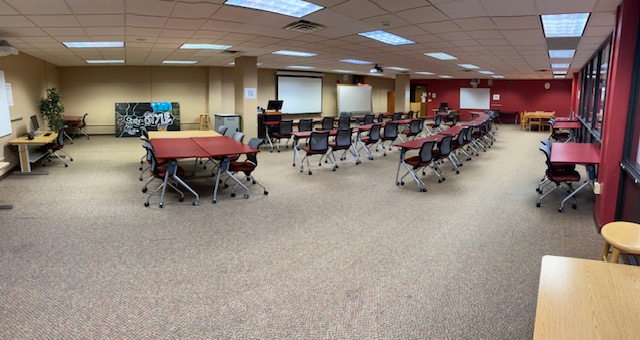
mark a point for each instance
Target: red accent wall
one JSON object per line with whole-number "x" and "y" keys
{"x": 616, "y": 109}
{"x": 515, "y": 95}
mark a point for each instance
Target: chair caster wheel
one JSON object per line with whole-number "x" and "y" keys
{"x": 423, "y": 190}
{"x": 146, "y": 204}
{"x": 310, "y": 173}
{"x": 195, "y": 203}
{"x": 561, "y": 209}
{"x": 278, "y": 151}
{"x": 246, "y": 196}
{"x": 140, "y": 169}
{"x": 66, "y": 165}
{"x": 370, "y": 158}
{"x": 161, "y": 205}
{"x": 181, "y": 199}
{"x": 402, "y": 183}
{"x": 538, "y": 205}
{"x": 266, "y": 193}
{"x": 385, "y": 155}
{"x": 301, "y": 170}
{"x": 254, "y": 182}
{"x": 214, "y": 201}
{"x": 233, "y": 194}
{"x": 226, "y": 185}
{"x": 457, "y": 172}
{"x": 294, "y": 164}
{"x": 397, "y": 183}
{"x": 439, "y": 181}
{"x": 144, "y": 190}
{"x": 71, "y": 159}
{"x": 574, "y": 206}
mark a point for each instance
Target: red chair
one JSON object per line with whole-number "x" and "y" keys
{"x": 54, "y": 148}
{"x": 247, "y": 167}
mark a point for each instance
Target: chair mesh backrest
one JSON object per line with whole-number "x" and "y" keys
{"x": 151, "y": 157}
{"x": 546, "y": 142}
{"x": 343, "y": 137}
{"x": 468, "y": 136}
{"x": 391, "y": 130}
{"x": 222, "y": 129}
{"x": 238, "y": 136}
{"x": 374, "y": 133}
{"x": 454, "y": 120}
{"x": 445, "y": 145}
{"x": 344, "y": 122}
{"x": 368, "y": 119}
{"x": 415, "y": 126}
{"x": 285, "y": 127}
{"x": 60, "y": 138}
{"x": 305, "y": 125}
{"x": 396, "y": 116}
{"x": 380, "y": 117}
{"x": 319, "y": 141}
{"x": 426, "y": 151}
{"x": 410, "y": 115}
{"x": 438, "y": 120}
{"x": 327, "y": 123}
{"x": 84, "y": 123}
{"x": 461, "y": 136}
{"x": 547, "y": 153}
{"x": 143, "y": 131}
{"x": 254, "y": 143}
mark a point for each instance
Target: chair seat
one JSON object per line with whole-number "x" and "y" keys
{"x": 308, "y": 150}
{"x": 246, "y": 167}
{"x": 564, "y": 176}
{"x": 162, "y": 171}
{"x": 415, "y": 162}
{"x": 367, "y": 140}
{"x": 279, "y": 135}
{"x": 339, "y": 147}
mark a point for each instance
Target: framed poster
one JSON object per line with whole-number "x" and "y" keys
{"x": 131, "y": 116}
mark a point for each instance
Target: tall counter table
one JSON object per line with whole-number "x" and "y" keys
{"x": 587, "y": 299}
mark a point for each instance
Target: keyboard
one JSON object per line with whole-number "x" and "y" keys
{"x": 48, "y": 134}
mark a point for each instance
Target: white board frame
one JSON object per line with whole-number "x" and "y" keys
{"x": 475, "y": 98}
{"x": 356, "y": 99}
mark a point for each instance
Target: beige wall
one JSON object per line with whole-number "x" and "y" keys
{"x": 29, "y": 77}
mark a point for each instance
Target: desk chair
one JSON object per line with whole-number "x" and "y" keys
{"x": 368, "y": 119}
{"x": 436, "y": 127}
{"x": 344, "y": 123}
{"x": 285, "y": 128}
{"x": 222, "y": 129}
{"x": 380, "y": 117}
{"x": 318, "y": 145}
{"x": 477, "y": 138}
{"x": 390, "y": 134}
{"x": 396, "y": 116}
{"x": 327, "y": 124}
{"x": 453, "y": 121}
{"x": 170, "y": 173}
{"x": 445, "y": 152}
{"x": 79, "y": 127}
{"x": 544, "y": 181}
{"x": 372, "y": 139}
{"x": 458, "y": 143}
{"x": 557, "y": 134}
{"x": 344, "y": 142}
{"x": 421, "y": 161}
{"x": 54, "y": 148}
{"x": 415, "y": 129}
{"x": 558, "y": 177}
{"x": 246, "y": 167}
{"x": 305, "y": 124}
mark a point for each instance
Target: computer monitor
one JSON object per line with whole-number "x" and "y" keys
{"x": 275, "y": 105}
{"x": 444, "y": 106}
{"x": 35, "y": 126}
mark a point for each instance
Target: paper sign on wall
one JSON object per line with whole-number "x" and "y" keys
{"x": 250, "y": 93}
{"x": 9, "y": 94}
{"x": 496, "y": 97}
{"x": 407, "y": 95}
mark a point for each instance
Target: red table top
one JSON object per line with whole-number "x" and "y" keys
{"x": 567, "y": 125}
{"x": 307, "y": 134}
{"x": 178, "y": 148}
{"x": 566, "y": 119}
{"x": 575, "y": 153}
{"x": 222, "y": 146}
{"x": 417, "y": 143}
{"x": 454, "y": 130}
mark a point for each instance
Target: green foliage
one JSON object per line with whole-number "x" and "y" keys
{"x": 52, "y": 108}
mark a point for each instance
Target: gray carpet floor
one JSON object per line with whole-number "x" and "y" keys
{"x": 335, "y": 255}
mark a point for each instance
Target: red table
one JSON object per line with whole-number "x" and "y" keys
{"x": 586, "y": 154}
{"x": 567, "y": 125}
{"x": 454, "y": 130}
{"x": 414, "y": 145}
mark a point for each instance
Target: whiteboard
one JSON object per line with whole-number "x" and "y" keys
{"x": 472, "y": 98}
{"x": 355, "y": 99}
{"x": 300, "y": 94}
{"x": 5, "y": 118}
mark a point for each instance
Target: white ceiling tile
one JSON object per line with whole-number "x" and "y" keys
{"x": 54, "y": 20}
{"x": 15, "y": 21}
{"x": 422, "y": 15}
{"x": 184, "y": 24}
{"x": 101, "y": 31}
{"x": 134, "y": 20}
{"x": 462, "y": 9}
{"x": 33, "y": 7}
{"x": 454, "y": 36}
{"x": 223, "y": 26}
{"x": 607, "y": 5}
{"x": 60, "y": 31}
{"x": 602, "y": 19}
{"x": 396, "y": 6}
{"x": 518, "y": 34}
{"x": 6, "y": 9}
{"x": 169, "y": 33}
{"x": 23, "y": 31}
{"x": 328, "y": 17}
{"x": 38, "y": 39}
{"x": 144, "y": 32}
{"x": 493, "y": 42}
{"x": 540, "y": 42}
{"x": 440, "y": 27}
{"x": 424, "y": 38}
{"x": 359, "y": 9}
{"x": 475, "y": 24}
{"x": 564, "y": 6}
{"x": 485, "y": 34}
{"x": 101, "y": 20}
{"x": 599, "y": 31}
{"x": 511, "y": 23}
{"x": 194, "y": 10}
{"x": 150, "y": 7}
{"x": 208, "y": 35}
{"x": 407, "y": 31}
{"x": 509, "y": 8}
{"x": 465, "y": 43}
{"x": 386, "y": 22}
{"x": 96, "y": 6}
{"x": 355, "y": 27}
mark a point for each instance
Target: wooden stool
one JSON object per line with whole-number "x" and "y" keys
{"x": 204, "y": 120}
{"x": 622, "y": 236}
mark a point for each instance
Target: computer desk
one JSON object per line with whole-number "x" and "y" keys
{"x": 587, "y": 299}
{"x": 26, "y": 158}
{"x": 5, "y": 206}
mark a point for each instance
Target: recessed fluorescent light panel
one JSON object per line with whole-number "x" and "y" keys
{"x": 204, "y": 47}
{"x": 426, "y": 73}
{"x": 294, "y": 53}
{"x": 468, "y": 66}
{"x": 397, "y": 68}
{"x": 94, "y": 44}
{"x": 355, "y": 61}
{"x": 499, "y": 77}
{"x": 386, "y": 38}
{"x": 101, "y": 61}
{"x": 300, "y": 67}
{"x": 561, "y": 53}
{"x": 559, "y": 65}
{"x": 441, "y": 56}
{"x": 445, "y": 76}
{"x": 292, "y": 8}
{"x": 485, "y": 72}
{"x": 180, "y": 62}
{"x": 564, "y": 25}
{"x": 559, "y": 72}
{"x": 233, "y": 63}
{"x": 557, "y": 76}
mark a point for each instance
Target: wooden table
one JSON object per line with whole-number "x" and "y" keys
{"x": 587, "y": 299}
{"x": 526, "y": 116}
{"x": 26, "y": 158}
{"x": 182, "y": 134}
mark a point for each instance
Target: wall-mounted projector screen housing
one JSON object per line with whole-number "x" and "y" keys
{"x": 300, "y": 94}
{"x": 354, "y": 99}
{"x": 477, "y": 99}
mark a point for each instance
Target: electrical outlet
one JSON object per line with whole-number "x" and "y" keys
{"x": 597, "y": 188}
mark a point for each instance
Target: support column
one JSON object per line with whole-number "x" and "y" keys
{"x": 215, "y": 91}
{"x": 403, "y": 82}
{"x": 246, "y": 94}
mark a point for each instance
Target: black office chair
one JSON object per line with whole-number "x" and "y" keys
{"x": 380, "y": 117}
{"x": 285, "y": 130}
{"x": 344, "y": 123}
{"x": 445, "y": 152}
{"x": 436, "y": 125}
{"x": 423, "y": 160}
{"x": 305, "y": 124}
{"x": 559, "y": 177}
{"x": 415, "y": 128}
{"x": 396, "y": 116}
{"x": 344, "y": 142}
{"x": 53, "y": 149}
{"x": 458, "y": 143}
{"x": 453, "y": 122}
{"x": 409, "y": 115}
{"x": 390, "y": 134}
{"x": 368, "y": 119}
{"x": 247, "y": 167}
{"x": 318, "y": 145}
{"x": 373, "y": 138}
{"x": 327, "y": 124}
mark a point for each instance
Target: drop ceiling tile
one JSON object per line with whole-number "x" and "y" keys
{"x": 35, "y": 7}
{"x": 607, "y": 5}
{"x": 359, "y": 9}
{"x": 208, "y": 35}
{"x": 602, "y": 19}
{"x": 424, "y": 38}
{"x": 170, "y": 33}
{"x": 194, "y": 10}
{"x": 485, "y": 34}
{"x": 385, "y": 22}
{"x": 305, "y": 37}
{"x": 509, "y": 8}
{"x": 184, "y": 24}
{"x": 518, "y": 34}
{"x": 223, "y": 26}
{"x": 14, "y": 21}
{"x": 422, "y": 15}
{"x": 23, "y": 32}
{"x": 354, "y": 27}
{"x": 328, "y": 17}
{"x": 465, "y": 43}
{"x": 150, "y": 7}
{"x": 407, "y": 31}
{"x": 134, "y": 20}
{"x": 101, "y": 31}
{"x": 474, "y": 24}
{"x": 440, "y": 27}
{"x": 235, "y": 14}
{"x": 564, "y": 6}
{"x": 454, "y": 36}
{"x": 54, "y": 20}
{"x": 38, "y": 40}
{"x": 96, "y": 6}
{"x": 462, "y": 9}
{"x": 101, "y": 20}
{"x": 64, "y": 31}
{"x": 513, "y": 23}
{"x": 593, "y": 31}
{"x": 6, "y": 9}
{"x": 493, "y": 42}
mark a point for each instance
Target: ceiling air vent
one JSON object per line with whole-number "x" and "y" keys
{"x": 303, "y": 26}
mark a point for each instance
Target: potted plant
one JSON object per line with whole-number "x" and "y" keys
{"x": 51, "y": 108}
